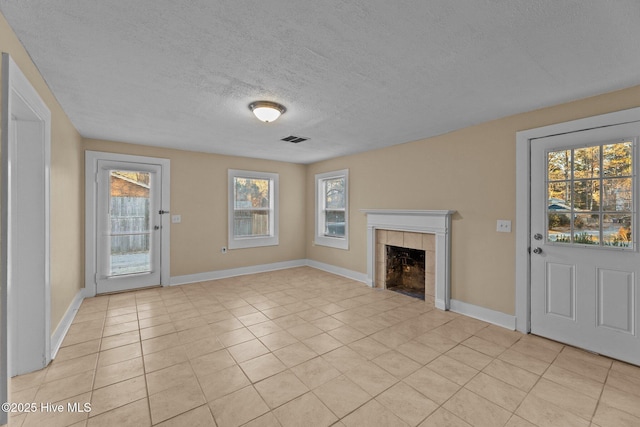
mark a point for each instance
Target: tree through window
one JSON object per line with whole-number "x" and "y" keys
{"x": 332, "y": 209}
{"x": 590, "y": 195}
{"x": 253, "y": 209}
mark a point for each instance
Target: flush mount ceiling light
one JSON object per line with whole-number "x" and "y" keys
{"x": 267, "y": 111}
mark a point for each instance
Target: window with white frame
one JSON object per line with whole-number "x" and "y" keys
{"x": 253, "y": 209}
{"x": 332, "y": 209}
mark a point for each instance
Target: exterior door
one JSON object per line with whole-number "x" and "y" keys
{"x": 128, "y": 226}
{"x": 584, "y": 241}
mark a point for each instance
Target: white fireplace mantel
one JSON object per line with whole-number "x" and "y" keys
{"x": 417, "y": 221}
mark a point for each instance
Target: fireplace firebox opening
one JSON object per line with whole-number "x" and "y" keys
{"x": 405, "y": 271}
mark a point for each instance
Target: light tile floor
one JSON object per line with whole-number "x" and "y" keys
{"x": 302, "y": 347}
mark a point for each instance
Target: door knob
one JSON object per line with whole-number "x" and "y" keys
{"x": 537, "y": 251}
{"x": 156, "y": 227}
{"x": 538, "y": 236}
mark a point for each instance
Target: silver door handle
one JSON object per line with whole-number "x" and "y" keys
{"x": 538, "y": 236}
{"x": 537, "y": 251}
{"x": 156, "y": 227}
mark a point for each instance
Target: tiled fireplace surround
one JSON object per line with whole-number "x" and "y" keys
{"x": 416, "y": 229}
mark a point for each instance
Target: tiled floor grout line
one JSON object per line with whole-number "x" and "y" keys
{"x": 599, "y": 401}
{"x": 320, "y": 356}
{"x": 538, "y": 380}
{"x": 461, "y": 386}
{"x": 590, "y": 420}
{"x": 144, "y": 368}
{"x": 394, "y": 314}
{"x": 95, "y": 372}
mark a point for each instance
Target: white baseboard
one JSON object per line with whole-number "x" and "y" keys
{"x": 496, "y": 317}
{"x": 233, "y": 272}
{"x": 477, "y": 312}
{"x": 88, "y": 292}
{"x": 222, "y": 274}
{"x": 65, "y": 323}
{"x": 349, "y": 274}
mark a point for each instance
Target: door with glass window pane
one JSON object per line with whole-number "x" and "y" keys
{"x": 585, "y": 261}
{"x": 128, "y": 226}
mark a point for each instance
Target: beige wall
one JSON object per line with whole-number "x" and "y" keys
{"x": 67, "y": 259}
{"x": 199, "y": 194}
{"x": 472, "y": 171}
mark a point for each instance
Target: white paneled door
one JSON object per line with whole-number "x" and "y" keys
{"x": 585, "y": 262}
{"x": 128, "y": 223}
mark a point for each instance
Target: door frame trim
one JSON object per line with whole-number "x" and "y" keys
{"x": 21, "y": 100}
{"x": 91, "y": 171}
{"x": 524, "y": 140}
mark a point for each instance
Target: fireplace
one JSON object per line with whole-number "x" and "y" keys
{"x": 405, "y": 262}
{"x": 416, "y": 229}
{"x": 405, "y": 271}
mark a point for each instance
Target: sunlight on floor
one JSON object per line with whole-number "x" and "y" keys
{"x": 304, "y": 347}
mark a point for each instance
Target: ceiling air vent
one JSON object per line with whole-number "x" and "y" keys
{"x": 294, "y": 139}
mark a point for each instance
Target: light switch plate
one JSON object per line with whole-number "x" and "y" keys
{"x": 176, "y": 219}
{"x": 504, "y": 226}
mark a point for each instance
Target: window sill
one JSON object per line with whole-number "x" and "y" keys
{"x": 332, "y": 242}
{"x": 253, "y": 242}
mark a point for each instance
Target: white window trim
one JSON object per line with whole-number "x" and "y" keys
{"x": 320, "y": 239}
{"x": 258, "y": 241}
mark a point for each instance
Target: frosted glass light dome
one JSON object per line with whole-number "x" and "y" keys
{"x": 267, "y": 111}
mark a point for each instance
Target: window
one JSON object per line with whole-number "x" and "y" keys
{"x": 590, "y": 193}
{"x": 332, "y": 209}
{"x": 253, "y": 209}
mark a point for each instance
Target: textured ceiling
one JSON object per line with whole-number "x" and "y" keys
{"x": 354, "y": 75}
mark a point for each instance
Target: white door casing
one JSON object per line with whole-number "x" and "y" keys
{"x": 26, "y": 299}
{"x": 583, "y": 293}
{"x": 524, "y": 142}
{"x": 99, "y": 276}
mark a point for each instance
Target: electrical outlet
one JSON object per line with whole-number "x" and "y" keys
{"x": 504, "y": 226}
{"x": 223, "y": 250}
{"x": 176, "y": 219}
